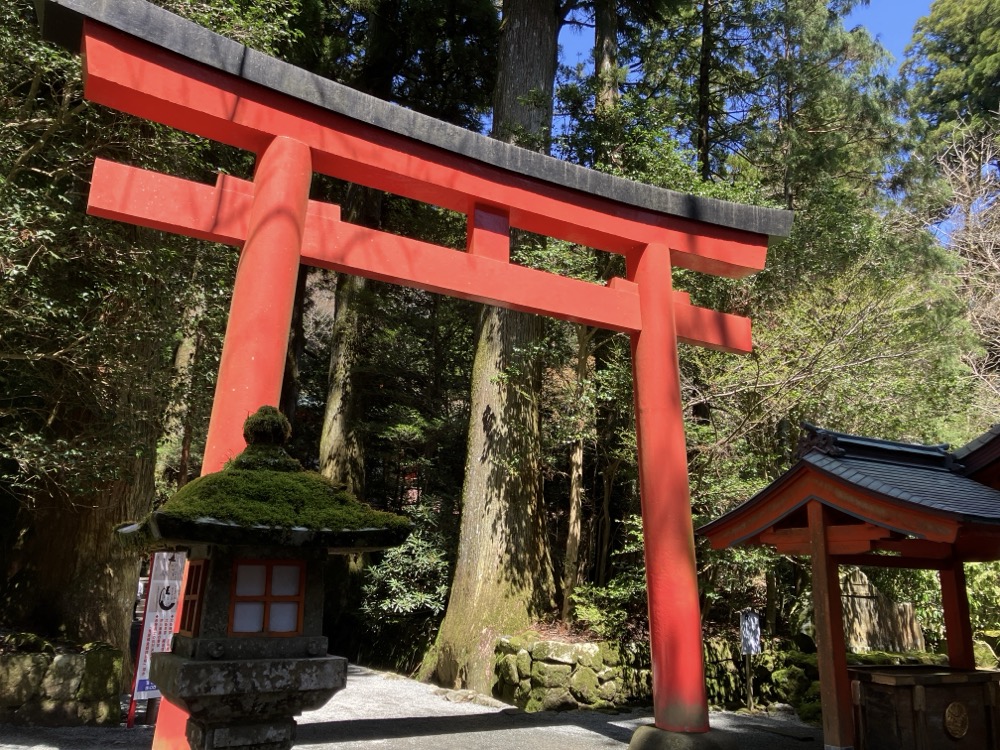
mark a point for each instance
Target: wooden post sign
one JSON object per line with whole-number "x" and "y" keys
{"x": 749, "y": 646}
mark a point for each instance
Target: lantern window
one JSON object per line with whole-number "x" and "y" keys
{"x": 268, "y": 597}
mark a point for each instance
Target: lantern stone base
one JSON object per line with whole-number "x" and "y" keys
{"x": 652, "y": 738}
{"x": 274, "y": 735}
{"x": 246, "y": 703}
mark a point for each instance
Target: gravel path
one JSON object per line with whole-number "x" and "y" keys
{"x": 383, "y": 710}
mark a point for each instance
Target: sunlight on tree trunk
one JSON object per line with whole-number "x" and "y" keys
{"x": 503, "y": 573}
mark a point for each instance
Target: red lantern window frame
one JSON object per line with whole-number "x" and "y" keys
{"x": 194, "y": 589}
{"x": 267, "y": 598}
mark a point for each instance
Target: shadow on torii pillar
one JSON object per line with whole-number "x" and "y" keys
{"x": 147, "y": 62}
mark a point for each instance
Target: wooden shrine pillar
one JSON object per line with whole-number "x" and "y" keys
{"x": 957, "y": 622}
{"x": 828, "y": 614}
{"x": 252, "y": 365}
{"x": 679, "y": 698}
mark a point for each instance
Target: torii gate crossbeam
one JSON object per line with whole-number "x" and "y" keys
{"x": 285, "y": 117}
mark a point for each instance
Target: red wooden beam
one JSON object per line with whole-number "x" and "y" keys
{"x": 220, "y": 214}
{"x": 488, "y": 233}
{"x": 841, "y": 540}
{"x": 957, "y": 620}
{"x": 893, "y": 561}
{"x": 978, "y": 543}
{"x": 917, "y": 548}
{"x": 138, "y": 78}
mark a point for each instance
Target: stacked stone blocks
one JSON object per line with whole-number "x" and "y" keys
{"x": 545, "y": 675}
{"x": 63, "y": 689}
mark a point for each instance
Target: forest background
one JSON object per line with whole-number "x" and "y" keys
{"x": 879, "y": 315}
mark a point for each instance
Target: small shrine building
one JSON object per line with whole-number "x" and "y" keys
{"x": 852, "y": 500}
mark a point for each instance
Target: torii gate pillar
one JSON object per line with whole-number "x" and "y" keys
{"x": 252, "y": 365}
{"x": 679, "y": 700}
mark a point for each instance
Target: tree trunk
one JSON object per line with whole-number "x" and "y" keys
{"x": 606, "y": 52}
{"x": 177, "y": 428}
{"x": 75, "y": 579}
{"x": 503, "y": 574}
{"x": 705, "y": 91}
{"x": 291, "y": 382}
{"x": 571, "y": 560}
{"x": 341, "y": 451}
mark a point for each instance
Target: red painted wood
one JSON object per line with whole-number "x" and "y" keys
{"x": 917, "y": 548}
{"x": 220, "y": 213}
{"x": 147, "y": 81}
{"x": 253, "y": 353}
{"x": 841, "y": 540}
{"x": 890, "y": 561}
{"x": 957, "y": 621}
{"x": 978, "y": 543}
{"x": 835, "y": 687}
{"x": 488, "y": 233}
{"x": 679, "y": 699}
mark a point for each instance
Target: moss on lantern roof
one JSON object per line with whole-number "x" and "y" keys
{"x": 265, "y": 487}
{"x": 265, "y": 497}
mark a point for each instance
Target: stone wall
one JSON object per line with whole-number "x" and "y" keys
{"x": 537, "y": 674}
{"x": 873, "y": 621}
{"x": 542, "y": 675}
{"x": 61, "y": 689}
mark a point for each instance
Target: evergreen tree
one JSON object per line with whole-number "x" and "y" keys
{"x": 953, "y": 64}
{"x": 503, "y": 573}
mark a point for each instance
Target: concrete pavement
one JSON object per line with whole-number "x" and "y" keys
{"x": 383, "y": 710}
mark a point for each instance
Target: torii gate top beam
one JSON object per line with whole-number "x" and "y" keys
{"x": 611, "y": 213}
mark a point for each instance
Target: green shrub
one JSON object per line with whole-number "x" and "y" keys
{"x": 406, "y": 591}
{"x": 618, "y": 611}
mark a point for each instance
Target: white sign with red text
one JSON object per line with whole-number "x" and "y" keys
{"x": 166, "y": 572}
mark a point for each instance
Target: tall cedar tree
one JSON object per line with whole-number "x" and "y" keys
{"x": 503, "y": 575}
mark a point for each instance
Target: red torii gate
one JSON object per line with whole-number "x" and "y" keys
{"x": 144, "y": 61}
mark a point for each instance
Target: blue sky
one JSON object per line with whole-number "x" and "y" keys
{"x": 891, "y": 21}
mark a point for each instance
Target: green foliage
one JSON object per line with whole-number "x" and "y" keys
{"x": 953, "y": 64}
{"x": 406, "y": 591}
{"x": 265, "y": 25}
{"x": 619, "y": 609}
{"x": 983, "y": 582}
{"x": 435, "y": 58}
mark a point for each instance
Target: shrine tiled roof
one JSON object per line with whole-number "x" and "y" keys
{"x": 978, "y": 443}
{"x": 925, "y": 475}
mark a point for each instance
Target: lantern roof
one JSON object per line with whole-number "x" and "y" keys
{"x": 264, "y": 496}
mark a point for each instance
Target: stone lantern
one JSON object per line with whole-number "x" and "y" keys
{"x": 249, "y": 654}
